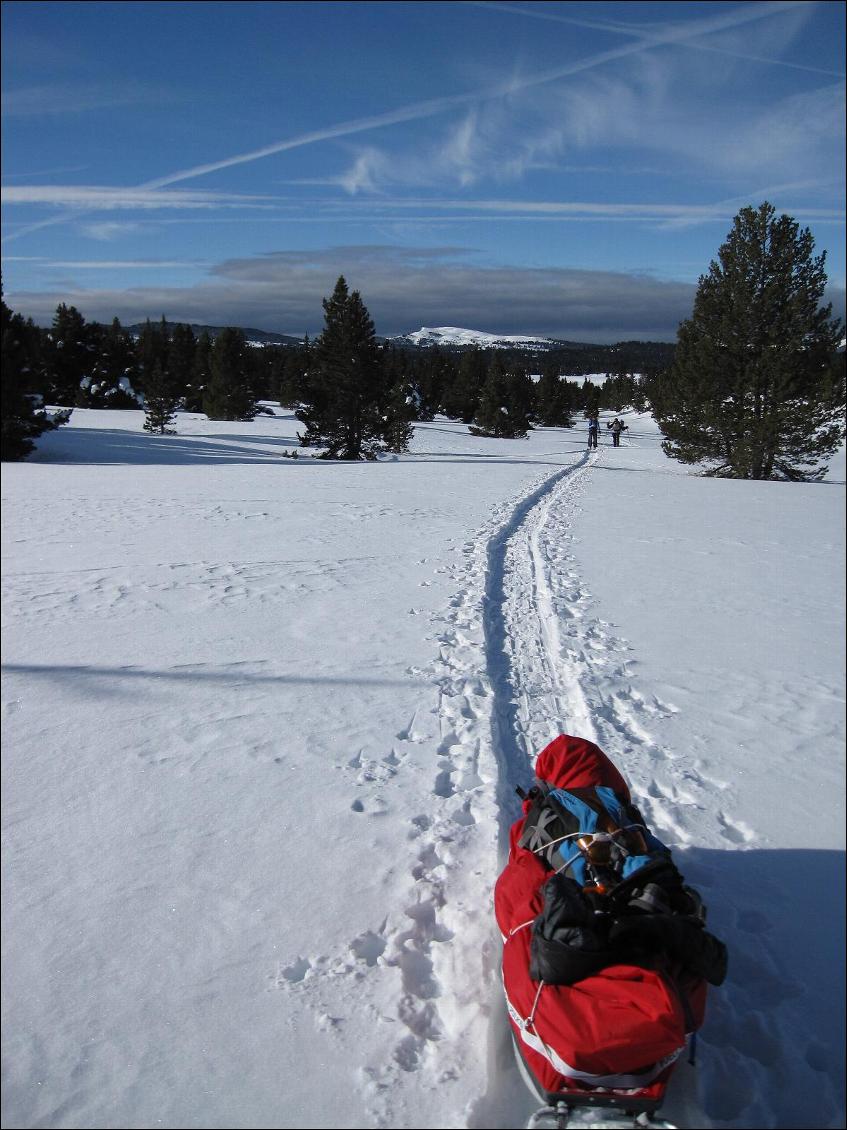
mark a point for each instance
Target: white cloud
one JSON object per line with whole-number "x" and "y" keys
{"x": 362, "y": 176}
{"x": 55, "y": 98}
{"x": 107, "y": 230}
{"x": 107, "y": 198}
{"x": 120, "y": 264}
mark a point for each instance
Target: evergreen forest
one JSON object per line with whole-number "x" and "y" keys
{"x": 753, "y": 388}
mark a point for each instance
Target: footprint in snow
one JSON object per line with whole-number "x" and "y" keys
{"x": 420, "y": 824}
{"x": 736, "y": 833}
{"x": 369, "y": 947}
{"x": 411, "y": 734}
{"x": 443, "y": 786}
{"x": 372, "y": 806}
{"x": 295, "y": 972}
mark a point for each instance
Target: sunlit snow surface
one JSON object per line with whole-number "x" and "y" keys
{"x": 262, "y": 723}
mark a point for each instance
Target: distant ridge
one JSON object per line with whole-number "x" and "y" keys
{"x": 574, "y": 356}
{"x": 253, "y": 337}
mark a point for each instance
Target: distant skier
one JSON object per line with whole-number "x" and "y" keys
{"x": 593, "y": 430}
{"x": 617, "y": 427}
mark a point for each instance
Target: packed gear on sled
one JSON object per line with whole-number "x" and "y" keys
{"x": 605, "y": 951}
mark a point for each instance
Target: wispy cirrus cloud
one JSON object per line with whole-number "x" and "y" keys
{"x": 78, "y": 98}
{"x": 106, "y": 197}
{"x": 45, "y": 172}
{"x": 667, "y": 35}
{"x": 651, "y": 106}
{"x": 112, "y": 264}
{"x": 384, "y": 208}
{"x": 428, "y": 108}
{"x": 105, "y": 231}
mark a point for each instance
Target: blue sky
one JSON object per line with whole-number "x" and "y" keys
{"x": 548, "y": 168}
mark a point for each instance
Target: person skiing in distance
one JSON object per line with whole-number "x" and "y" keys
{"x": 593, "y": 430}
{"x": 617, "y": 426}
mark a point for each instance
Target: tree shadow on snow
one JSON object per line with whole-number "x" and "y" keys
{"x": 116, "y": 680}
{"x": 114, "y": 447}
{"x": 88, "y": 446}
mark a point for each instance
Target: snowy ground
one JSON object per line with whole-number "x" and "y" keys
{"x": 262, "y": 724}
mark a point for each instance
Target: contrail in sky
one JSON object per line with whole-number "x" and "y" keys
{"x": 428, "y": 108}
{"x": 641, "y": 34}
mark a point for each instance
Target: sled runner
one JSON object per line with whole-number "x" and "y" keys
{"x": 605, "y": 952}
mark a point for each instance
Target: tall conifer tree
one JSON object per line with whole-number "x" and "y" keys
{"x": 347, "y": 405}
{"x": 69, "y": 355}
{"x": 152, "y": 347}
{"x": 181, "y": 358}
{"x": 228, "y": 395}
{"x": 756, "y": 390}
{"x": 201, "y": 371}
{"x": 23, "y": 420}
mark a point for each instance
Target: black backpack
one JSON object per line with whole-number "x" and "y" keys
{"x": 614, "y": 895}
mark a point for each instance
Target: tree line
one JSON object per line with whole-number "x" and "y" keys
{"x": 354, "y": 395}
{"x": 756, "y": 388}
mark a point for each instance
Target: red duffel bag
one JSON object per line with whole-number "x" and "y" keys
{"x": 614, "y": 1034}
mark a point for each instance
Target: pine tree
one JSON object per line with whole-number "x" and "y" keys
{"x": 756, "y": 390}
{"x": 639, "y": 392}
{"x": 434, "y": 374}
{"x": 21, "y": 419}
{"x": 555, "y": 399}
{"x": 114, "y": 369}
{"x": 181, "y": 355}
{"x": 201, "y": 371}
{"x": 500, "y": 413}
{"x": 618, "y": 391}
{"x": 228, "y": 395}
{"x": 153, "y": 348}
{"x": 68, "y": 355}
{"x": 347, "y": 393}
{"x": 461, "y": 397}
{"x": 520, "y": 397}
{"x": 291, "y": 367}
{"x": 590, "y": 398}
{"x": 401, "y": 411}
{"x": 161, "y": 401}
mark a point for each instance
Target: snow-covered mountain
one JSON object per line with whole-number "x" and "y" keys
{"x": 454, "y": 335}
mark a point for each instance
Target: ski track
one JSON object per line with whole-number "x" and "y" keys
{"x": 522, "y": 655}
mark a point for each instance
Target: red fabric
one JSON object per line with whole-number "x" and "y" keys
{"x": 622, "y": 1019}
{"x": 574, "y": 763}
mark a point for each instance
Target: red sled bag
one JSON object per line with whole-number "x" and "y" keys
{"x": 605, "y": 953}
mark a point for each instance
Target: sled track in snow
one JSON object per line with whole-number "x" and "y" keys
{"x": 554, "y": 665}
{"x": 514, "y": 555}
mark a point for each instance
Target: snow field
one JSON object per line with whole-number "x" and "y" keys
{"x": 263, "y": 721}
